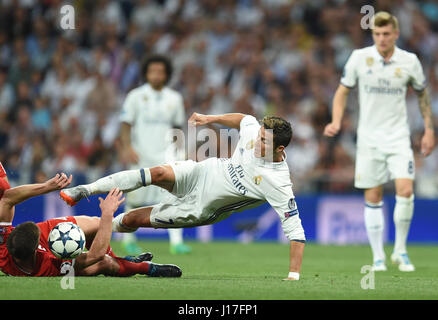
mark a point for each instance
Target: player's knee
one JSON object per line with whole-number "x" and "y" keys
{"x": 405, "y": 192}
{"x": 158, "y": 174}
{"x": 373, "y": 196}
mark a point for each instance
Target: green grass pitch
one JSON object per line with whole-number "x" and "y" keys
{"x": 236, "y": 271}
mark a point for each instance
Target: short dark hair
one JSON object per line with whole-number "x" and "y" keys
{"x": 157, "y": 59}
{"x": 281, "y": 129}
{"x": 23, "y": 240}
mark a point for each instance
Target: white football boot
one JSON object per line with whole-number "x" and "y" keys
{"x": 379, "y": 265}
{"x": 402, "y": 259}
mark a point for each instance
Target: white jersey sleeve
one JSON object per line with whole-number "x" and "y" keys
{"x": 283, "y": 202}
{"x": 248, "y": 125}
{"x": 128, "y": 114}
{"x": 349, "y": 75}
{"x": 417, "y": 78}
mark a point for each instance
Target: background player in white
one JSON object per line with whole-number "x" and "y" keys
{"x": 383, "y": 72}
{"x": 209, "y": 191}
{"x": 149, "y": 113}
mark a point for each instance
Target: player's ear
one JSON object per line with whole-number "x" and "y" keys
{"x": 279, "y": 149}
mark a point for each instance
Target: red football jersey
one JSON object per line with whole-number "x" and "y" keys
{"x": 47, "y": 265}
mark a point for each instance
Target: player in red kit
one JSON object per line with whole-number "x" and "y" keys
{"x": 24, "y": 250}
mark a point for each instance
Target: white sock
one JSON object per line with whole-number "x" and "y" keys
{"x": 403, "y": 212}
{"x": 175, "y": 236}
{"x": 126, "y": 181}
{"x": 374, "y": 224}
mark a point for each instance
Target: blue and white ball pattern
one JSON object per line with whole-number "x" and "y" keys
{"x": 66, "y": 240}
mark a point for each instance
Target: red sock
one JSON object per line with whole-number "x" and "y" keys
{"x": 128, "y": 268}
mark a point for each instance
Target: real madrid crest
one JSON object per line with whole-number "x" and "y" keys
{"x": 250, "y": 145}
{"x": 257, "y": 180}
{"x": 398, "y": 73}
{"x": 370, "y": 61}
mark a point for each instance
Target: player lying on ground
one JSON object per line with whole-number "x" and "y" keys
{"x": 209, "y": 191}
{"x": 24, "y": 250}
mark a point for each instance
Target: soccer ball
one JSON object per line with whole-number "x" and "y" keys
{"x": 66, "y": 240}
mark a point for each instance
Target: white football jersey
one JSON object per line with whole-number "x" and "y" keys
{"x": 152, "y": 114}
{"x": 245, "y": 181}
{"x": 382, "y": 88}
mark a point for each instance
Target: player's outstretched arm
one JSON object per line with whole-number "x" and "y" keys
{"x": 428, "y": 140}
{"x": 16, "y": 195}
{"x": 102, "y": 239}
{"x": 296, "y": 258}
{"x": 339, "y": 104}
{"x": 19, "y": 194}
{"x": 231, "y": 120}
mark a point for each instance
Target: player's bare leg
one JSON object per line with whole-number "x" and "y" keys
{"x": 114, "y": 266}
{"x": 89, "y": 226}
{"x": 403, "y": 212}
{"x": 374, "y": 223}
{"x": 128, "y": 180}
{"x": 131, "y": 220}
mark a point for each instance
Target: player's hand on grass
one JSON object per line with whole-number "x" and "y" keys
{"x": 427, "y": 143}
{"x": 289, "y": 279}
{"x": 112, "y": 202}
{"x": 331, "y": 129}
{"x": 58, "y": 182}
{"x": 198, "y": 119}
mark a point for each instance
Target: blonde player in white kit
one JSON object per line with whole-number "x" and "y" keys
{"x": 209, "y": 191}
{"x": 382, "y": 73}
{"x": 148, "y": 115}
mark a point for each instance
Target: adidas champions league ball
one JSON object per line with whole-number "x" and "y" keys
{"x": 66, "y": 240}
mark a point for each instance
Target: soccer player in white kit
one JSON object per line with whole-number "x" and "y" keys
{"x": 209, "y": 191}
{"x": 149, "y": 113}
{"x": 382, "y": 73}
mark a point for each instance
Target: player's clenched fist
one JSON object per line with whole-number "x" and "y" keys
{"x": 198, "y": 119}
{"x": 331, "y": 129}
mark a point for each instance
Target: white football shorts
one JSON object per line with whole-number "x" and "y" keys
{"x": 375, "y": 167}
{"x": 182, "y": 207}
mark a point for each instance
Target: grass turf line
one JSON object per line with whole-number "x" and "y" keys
{"x": 233, "y": 271}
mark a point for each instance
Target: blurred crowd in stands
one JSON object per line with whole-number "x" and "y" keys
{"x": 61, "y": 91}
